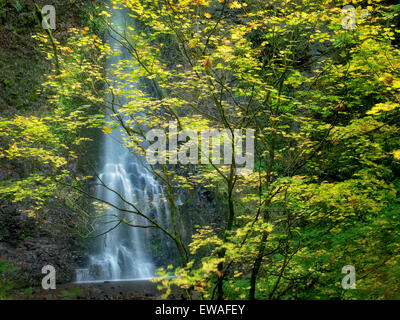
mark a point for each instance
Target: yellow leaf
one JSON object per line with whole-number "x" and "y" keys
{"x": 383, "y": 107}
{"x": 396, "y": 154}
{"x": 106, "y": 130}
{"x": 235, "y": 5}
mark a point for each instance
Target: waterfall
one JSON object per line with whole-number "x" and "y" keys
{"x": 125, "y": 252}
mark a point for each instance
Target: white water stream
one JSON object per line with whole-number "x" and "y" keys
{"x": 125, "y": 252}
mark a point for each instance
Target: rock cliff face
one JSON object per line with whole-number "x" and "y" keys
{"x": 198, "y": 208}
{"x": 31, "y": 243}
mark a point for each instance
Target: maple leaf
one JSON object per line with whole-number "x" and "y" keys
{"x": 106, "y": 130}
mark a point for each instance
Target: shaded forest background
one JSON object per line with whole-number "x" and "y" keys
{"x": 324, "y": 103}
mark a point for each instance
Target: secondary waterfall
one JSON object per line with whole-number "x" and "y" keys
{"x": 125, "y": 252}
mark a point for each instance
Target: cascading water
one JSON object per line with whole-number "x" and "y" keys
{"x": 124, "y": 252}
